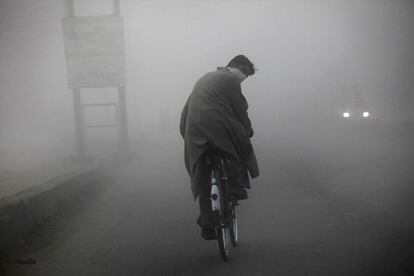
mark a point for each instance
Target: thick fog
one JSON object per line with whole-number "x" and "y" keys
{"x": 310, "y": 56}
{"x": 331, "y": 105}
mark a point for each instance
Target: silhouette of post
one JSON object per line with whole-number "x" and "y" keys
{"x": 74, "y": 49}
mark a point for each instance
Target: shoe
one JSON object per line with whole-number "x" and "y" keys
{"x": 208, "y": 233}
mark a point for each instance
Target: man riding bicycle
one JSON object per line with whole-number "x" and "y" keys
{"x": 215, "y": 114}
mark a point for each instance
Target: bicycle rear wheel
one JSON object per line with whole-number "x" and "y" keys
{"x": 234, "y": 231}
{"x": 224, "y": 242}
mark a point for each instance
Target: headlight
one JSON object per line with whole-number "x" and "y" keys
{"x": 365, "y": 114}
{"x": 346, "y": 115}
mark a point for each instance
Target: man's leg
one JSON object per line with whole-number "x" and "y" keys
{"x": 205, "y": 206}
{"x": 204, "y": 201}
{"x": 238, "y": 183}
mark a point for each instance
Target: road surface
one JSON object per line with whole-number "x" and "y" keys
{"x": 310, "y": 213}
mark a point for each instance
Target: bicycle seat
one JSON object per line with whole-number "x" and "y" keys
{"x": 214, "y": 154}
{"x": 217, "y": 157}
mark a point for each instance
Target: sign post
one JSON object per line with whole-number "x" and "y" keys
{"x": 94, "y": 48}
{"x": 123, "y": 129}
{"x": 80, "y": 133}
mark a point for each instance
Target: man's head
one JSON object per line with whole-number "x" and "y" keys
{"x": 242, "y": 63}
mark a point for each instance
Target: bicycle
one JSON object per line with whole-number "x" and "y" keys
{"x": 223, "y": 203}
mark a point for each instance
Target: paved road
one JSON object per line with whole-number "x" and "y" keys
{"x": 296, "y": 222}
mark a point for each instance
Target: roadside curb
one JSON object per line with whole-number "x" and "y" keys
{"x": 21, "y": 213}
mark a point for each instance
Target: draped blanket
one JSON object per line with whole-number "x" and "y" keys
{"x": 216, "y": 112}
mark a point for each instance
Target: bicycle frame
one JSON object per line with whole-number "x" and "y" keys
{"x": 218, "y": 161}
{"x": 222, "y": 204}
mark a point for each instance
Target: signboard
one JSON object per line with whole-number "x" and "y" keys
{"x": 94, "y": 47}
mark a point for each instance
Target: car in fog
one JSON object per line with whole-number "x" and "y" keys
{"x": 354, "y": 108}
{"x": 354, "y": 114}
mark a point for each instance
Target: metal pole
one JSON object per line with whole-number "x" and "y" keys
{"x": 78, "y": 114}
{"x": 124, "y": 143}
{"x": 69, "y": 8}
{"x": 117, "y": 8}
{"x": 77, "y": 108}
{"x": 123, "y": 122}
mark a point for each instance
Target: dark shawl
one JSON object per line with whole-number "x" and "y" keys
{"x": 216, "y": 111}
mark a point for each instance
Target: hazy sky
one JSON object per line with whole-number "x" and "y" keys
{"x": 306, "y": 52}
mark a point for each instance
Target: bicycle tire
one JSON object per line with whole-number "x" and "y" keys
{"x": 234, "y": 230}
{"x": 224, "y": 242}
